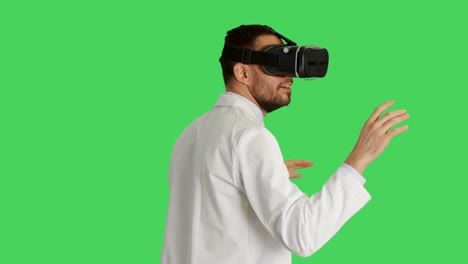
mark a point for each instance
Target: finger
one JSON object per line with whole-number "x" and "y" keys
{"x": 388, "y": 116}
{"x": 394, "y": 121}
{"x": 397, "y": 131}
{"x": 379, "y": 110}
{"x": 295, "y": 175}
{"x": 303, "y": 164}
{"x": 298, "y": 164}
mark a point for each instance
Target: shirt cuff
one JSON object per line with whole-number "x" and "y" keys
{"x": 354, "y": 173}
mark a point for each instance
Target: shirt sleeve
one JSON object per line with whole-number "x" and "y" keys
{"x": 302, "y": 223}
{"x": 354, "y": 173}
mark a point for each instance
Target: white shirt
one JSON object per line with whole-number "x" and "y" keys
{"x": 231, "y": 199}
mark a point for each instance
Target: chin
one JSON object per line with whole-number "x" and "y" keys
{"x": 270, "y": 107}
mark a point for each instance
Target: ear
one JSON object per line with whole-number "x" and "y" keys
{"x": 242, "y": 73}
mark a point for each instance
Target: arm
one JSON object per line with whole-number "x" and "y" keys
{"x": 303, "y": 224}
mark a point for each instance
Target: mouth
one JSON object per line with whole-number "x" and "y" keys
{"x": 286, "y": 87}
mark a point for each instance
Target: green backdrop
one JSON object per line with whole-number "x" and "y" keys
{"x": 93, "y": 95}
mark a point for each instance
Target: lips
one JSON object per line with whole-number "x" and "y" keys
{"x": 286, "y": 87}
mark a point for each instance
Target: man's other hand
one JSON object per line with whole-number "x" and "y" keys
{"x": 293, "y": 165}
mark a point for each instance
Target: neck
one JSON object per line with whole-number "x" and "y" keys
{"x": 245, "y": 92}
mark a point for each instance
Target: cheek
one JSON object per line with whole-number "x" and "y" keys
{"x": 265, "y": 85}
{"x": 274, "y": 85}
{"x": 268, "y": 82}
{"x": 273, "y": 81}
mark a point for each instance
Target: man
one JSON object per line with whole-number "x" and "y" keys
{"x": 231, "y": 200}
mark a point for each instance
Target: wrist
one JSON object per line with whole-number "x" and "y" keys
{"x": 358, "y": 164}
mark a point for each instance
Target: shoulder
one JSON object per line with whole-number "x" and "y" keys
{"x": 256, "y": 137}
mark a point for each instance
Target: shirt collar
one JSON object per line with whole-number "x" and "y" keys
{"x": 237, "y": 100}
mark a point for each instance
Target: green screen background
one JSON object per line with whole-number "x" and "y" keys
{"x": 93, "y": 95}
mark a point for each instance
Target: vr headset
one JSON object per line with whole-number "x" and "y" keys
{"x": 284, "y": 60}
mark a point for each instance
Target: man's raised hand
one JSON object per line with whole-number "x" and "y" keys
{"x": 375, "y": 136}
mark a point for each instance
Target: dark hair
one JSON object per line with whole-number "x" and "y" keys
{"x": 241, "y": 37}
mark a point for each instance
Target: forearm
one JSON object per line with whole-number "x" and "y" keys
{"x": 309, "y": 223}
